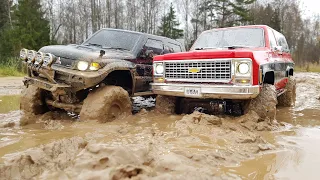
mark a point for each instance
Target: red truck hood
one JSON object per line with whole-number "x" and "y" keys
{"x": 213, "y": 54}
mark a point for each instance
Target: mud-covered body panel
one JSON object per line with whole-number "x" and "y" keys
{"x": 110, "y": 57}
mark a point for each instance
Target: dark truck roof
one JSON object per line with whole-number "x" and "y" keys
{"x": 162, "y": 38}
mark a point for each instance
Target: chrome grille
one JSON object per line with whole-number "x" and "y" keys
{"x": 207, "y": 71}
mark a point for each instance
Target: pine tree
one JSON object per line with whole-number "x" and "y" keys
{"x": 29, "y": 29}
{"x": 29, "y": 22}
{"x": 169, "y": 25}
{"x": 3, "y": 13}
{"x": 228, "y": 12}
{"x": 275, "y": 21}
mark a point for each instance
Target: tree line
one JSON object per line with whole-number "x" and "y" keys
{"x": 35, "y": 23}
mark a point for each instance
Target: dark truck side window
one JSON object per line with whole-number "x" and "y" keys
{"x": 273, "y": 42}
{"x": 155, "y": 45}
{"x": 175, "y": 47}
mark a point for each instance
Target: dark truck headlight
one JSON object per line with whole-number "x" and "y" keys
{"x": 39, "y": 58}
{"x": 82, "y": 65}
{"x": 24, "y": 54}
{"x": 85, "y": 65}
{"x": 48, "y": 59}
{"x": 31, "y": 56}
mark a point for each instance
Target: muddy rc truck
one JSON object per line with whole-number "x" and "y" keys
{"x": 228, "y": 70}
{"x": 96, "y": 78}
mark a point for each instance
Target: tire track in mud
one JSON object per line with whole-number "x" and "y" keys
{"x": 152, "y": 146}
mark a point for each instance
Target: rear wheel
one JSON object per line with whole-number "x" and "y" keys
{"x": 106, "y": 104}
{"x": 264, "y": 104}
{"x": 288, "y": 98}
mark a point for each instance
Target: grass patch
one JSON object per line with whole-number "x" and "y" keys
{"x": 11, "y": 67}
{"x": 10, "y": 71}
{"x": 308, "y": 68}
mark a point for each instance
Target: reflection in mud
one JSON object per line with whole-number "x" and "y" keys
{"x": 149, "y": 144}
{"x": 9, "y": 103}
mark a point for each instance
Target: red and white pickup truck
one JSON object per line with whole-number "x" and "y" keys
{"x": 227, "y": 70}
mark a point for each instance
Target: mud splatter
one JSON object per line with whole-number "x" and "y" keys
{"x": 151, "y": 145}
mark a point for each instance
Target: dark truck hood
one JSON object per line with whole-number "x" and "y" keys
{"x": 215, "y": 54}
{"x": 70, "y": 53}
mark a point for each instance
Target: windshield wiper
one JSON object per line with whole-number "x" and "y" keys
{"x": 93, "y": 44}
{"x": 202, "y": 48}
{"x": 117, "y": 48}
{"x": 237, "y": 46}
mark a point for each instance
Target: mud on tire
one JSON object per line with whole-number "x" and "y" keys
{"x": 106, "y": 104}
{"x": 264, "y": 104}
{"x": 32, "y": 101}
{"x": 288, "y": 98}
{"x": 166, "y": 104}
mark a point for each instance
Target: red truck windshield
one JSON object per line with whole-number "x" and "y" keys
{"x": 233, "y": 37}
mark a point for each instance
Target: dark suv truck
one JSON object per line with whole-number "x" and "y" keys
{"x": 96, "y": 78}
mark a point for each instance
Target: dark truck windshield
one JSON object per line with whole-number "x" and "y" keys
{"x": 233, "y": 37}
{"x": 111, "y": 39}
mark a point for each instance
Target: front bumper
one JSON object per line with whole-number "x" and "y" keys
{"x": 43, "y": 84}
{"x": 207, "y": 91}
{"x": 62, "y": 78}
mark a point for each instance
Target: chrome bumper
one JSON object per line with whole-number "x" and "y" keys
{"x": 207, "y": 91}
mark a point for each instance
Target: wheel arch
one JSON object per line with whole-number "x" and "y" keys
{"x": 122, "y": 77}
{"x": 269, "y": 77}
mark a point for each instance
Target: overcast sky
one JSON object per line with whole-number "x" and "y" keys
{"x": 310, "y": 7}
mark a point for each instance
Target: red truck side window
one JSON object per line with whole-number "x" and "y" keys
{"x": 272, "y": 39}
{"x": 282, "y": 41}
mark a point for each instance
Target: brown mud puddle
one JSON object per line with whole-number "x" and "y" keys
{"x": 156, "y": 146}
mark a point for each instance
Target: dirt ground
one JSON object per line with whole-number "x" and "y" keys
{"x": 10, "y": 85}
{"x": 151, "y": 145}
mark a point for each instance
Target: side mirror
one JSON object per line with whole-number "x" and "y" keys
{"x": 278, "y": 49}
{"x": 149, "y": 53}
{"x": 146, "y": 54}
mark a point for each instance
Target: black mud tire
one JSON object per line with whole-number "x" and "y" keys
{"x": 106, "y": 104}
{"x": 265, "y": 104}
{"x": 288, "y": 98}
{"x": 32, "y": 101}
{"x": 166, "y": 104}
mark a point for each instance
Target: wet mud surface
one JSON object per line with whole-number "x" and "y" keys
{"x": 152, "y": 145}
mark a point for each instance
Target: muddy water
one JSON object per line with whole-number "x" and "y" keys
{"x": 157, "y": 145}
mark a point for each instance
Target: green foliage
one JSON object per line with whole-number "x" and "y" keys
{"x": 4, "y": 12}
{"x": 268, "y": 15}
{"x": 226, "y": 13}
{"x": 12, "y": 67}
{"x": 29, "y": 30}
{"x": 169, "y": 25}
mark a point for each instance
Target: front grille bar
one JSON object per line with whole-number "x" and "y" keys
{"x": 199, "y": 71}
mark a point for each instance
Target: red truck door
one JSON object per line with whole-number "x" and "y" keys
{"x": 282, "y": 58}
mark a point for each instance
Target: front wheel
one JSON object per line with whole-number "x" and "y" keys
{"x": 288, "y": 98}
{"x": 32, "y": 103}
{"x": 265, "y": 104}
{"x": 106, "y": 104}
